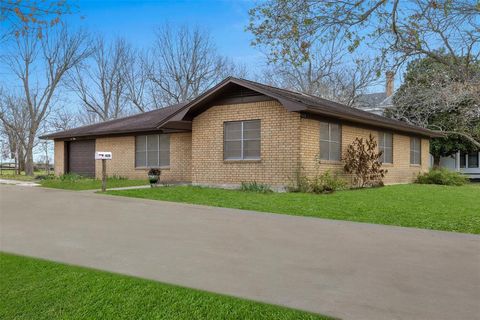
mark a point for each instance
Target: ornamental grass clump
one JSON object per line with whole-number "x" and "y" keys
{"x": 255, "y": 187}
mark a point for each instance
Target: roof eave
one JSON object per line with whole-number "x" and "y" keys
{"x": 95, "y": 134}
{"x": 373, "y": 123}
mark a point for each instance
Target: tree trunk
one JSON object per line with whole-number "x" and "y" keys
{"x": 29, "y": 160}
{"x": 436, "y": 161}
{"x": 21, "y": 161}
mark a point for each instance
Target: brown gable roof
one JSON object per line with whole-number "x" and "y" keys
{"x": 177, "y": 116}
{"x": 142, "y": 122}
{"x": 300, "y": 102}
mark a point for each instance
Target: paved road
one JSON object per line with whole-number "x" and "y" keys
{"x": 348, "y": 270}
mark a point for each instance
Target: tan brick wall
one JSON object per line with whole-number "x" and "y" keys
{"x": 279, "y": 145}
{"x": 59, "y": 157}
{"x": 123, "y": 158}
{"x": 288, "y": 143}
{"x": 399, "y": 172}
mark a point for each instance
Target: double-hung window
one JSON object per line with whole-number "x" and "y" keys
{"x": 152, "y": 151}
{"x": 241, "y": 140}
{"x": 473, "y": 160}
{"x": 385, "y": 144}
{"x": 415, "y": 151}
{"x": 330, "y": 141}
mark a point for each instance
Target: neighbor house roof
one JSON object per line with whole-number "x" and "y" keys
{"x": 177, "y": 115}
{"x": 370, "y": 100}
{"x": 142, "y": 122}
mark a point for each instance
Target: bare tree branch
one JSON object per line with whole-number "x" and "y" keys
{"x": 185, "y": 64}
{"x": 54, "y": 54}
{"x": 101, "y": 84}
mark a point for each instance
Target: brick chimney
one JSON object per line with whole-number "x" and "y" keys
{"x": 389, "y": 75}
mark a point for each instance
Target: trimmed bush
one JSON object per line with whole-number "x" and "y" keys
{"x": 255, "y": 187}
{"x": 442, "y": 176}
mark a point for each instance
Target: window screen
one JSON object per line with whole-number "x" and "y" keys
{"x": 242, "y": 140}
{"x": 330, "y": 141}
{"x": 152, "y": 150}
{"x": 385, "y": 144}
{"x": 415, "y": 151}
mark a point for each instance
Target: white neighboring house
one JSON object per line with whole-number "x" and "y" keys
{"x": 466, "y": 163}
{"x": 377, "y": 102}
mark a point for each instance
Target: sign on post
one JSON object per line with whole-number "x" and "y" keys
{"x": 104, "y": 156}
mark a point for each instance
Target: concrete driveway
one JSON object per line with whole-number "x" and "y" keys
{"x": 348, "y": 270}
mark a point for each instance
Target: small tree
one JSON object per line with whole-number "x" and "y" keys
{"x": 362, "y": 161}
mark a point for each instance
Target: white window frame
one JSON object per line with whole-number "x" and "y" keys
{"x": 146, "y": 166}
{"x": 242, "y": 140}
{"x": 329, "y": 140}
{"x": 384, "y": 147}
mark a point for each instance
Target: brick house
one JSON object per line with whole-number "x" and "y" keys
{"x": 238, "y": 131}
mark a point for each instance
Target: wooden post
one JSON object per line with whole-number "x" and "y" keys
{"x": 104, "y": 175}
{"x": 47, "y": 170}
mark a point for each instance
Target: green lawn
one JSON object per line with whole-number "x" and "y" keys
{"x": 422, "y": 206}
{"x": 90, "y": 184}
{"x": 10, "y": 175}
{"x": 37, "y": 289}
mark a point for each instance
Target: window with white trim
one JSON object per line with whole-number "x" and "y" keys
{"x": 330, "y": 141}
{"x": 415, "y": 151}
{"x": 473, "y": 160}
{"x": 152, "y": 151}
{"x": 241, "y": 140}
{"x": 385, "y": 144}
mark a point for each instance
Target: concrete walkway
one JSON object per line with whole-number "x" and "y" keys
{"x": 19, "y": 183}
{"x": 348, "y": 270}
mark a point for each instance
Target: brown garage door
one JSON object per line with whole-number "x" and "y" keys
{"x": 81, "y": 157}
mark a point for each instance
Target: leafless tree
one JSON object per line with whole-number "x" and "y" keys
{"x": 185, "y": 64}
{"x": 138, "y": 87}
{"x": 62, "y": 120}
{"x": 326, "y": 74}
{"x": 100, "y": 82}
{"x": 39, "y": 65}
{"x": 14, "y": 124}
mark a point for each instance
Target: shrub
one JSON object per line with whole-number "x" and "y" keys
{"x": 361, "y": 160}
{"x": 322, "y": 183}
{"x": 442, "y": 176}
{"x": 154, "y": 172}
{"x": 299, "y": 183}
{"x": 255, "y": 187}
{"x": 326, "y": 183}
